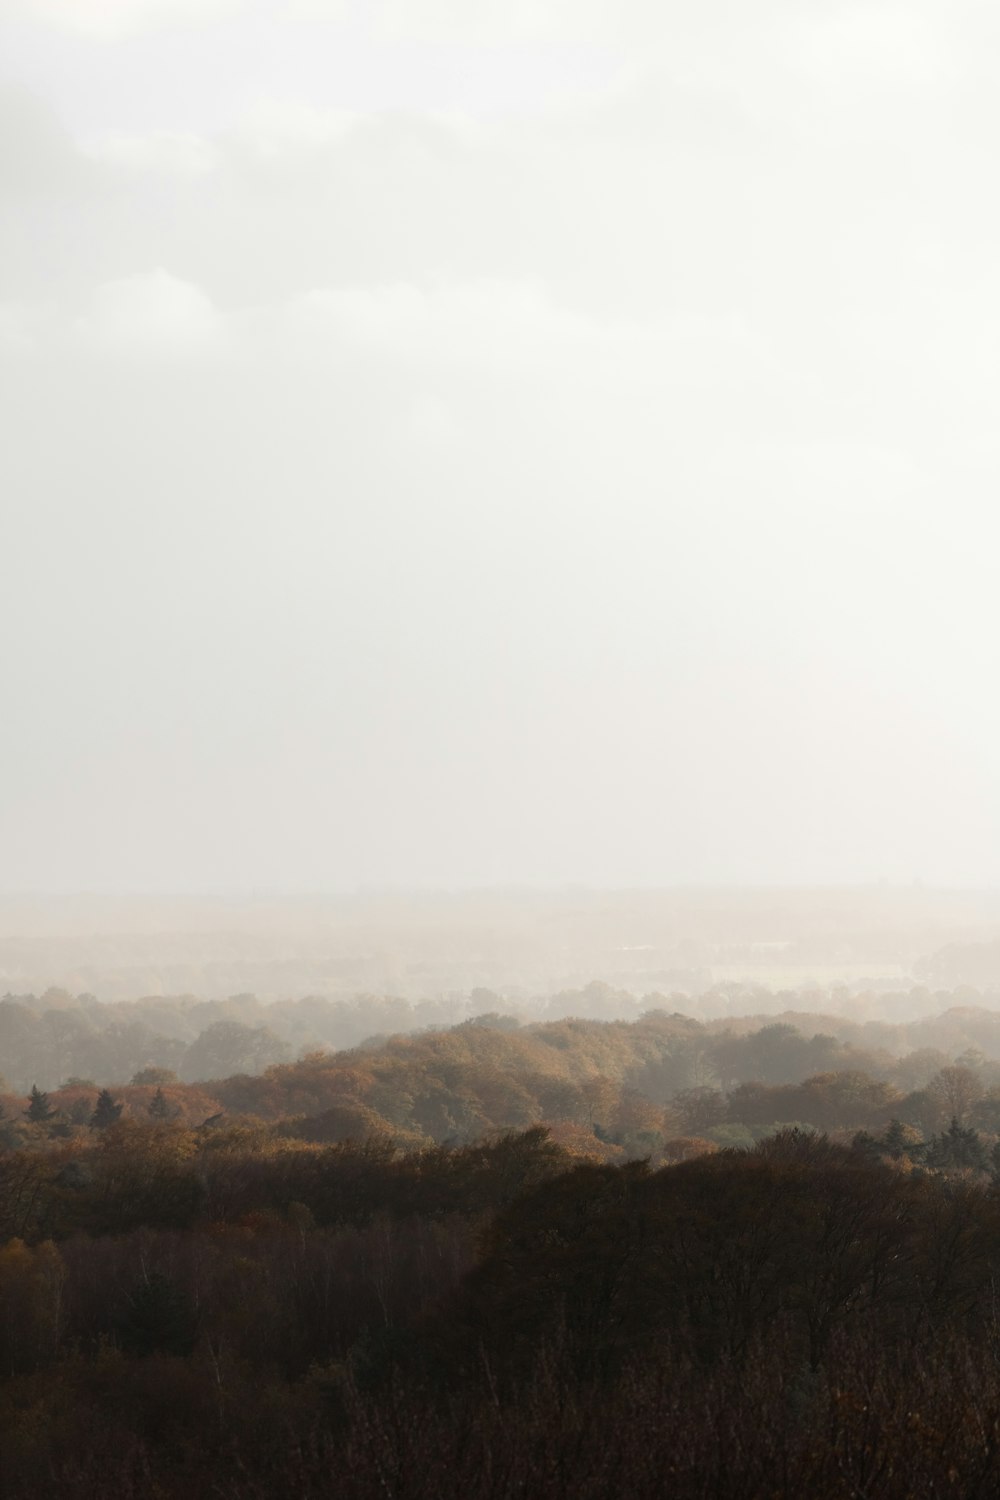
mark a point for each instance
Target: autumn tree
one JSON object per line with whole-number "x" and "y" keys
{"x": 229, "y": 1047}
{"x": 956, "y": 1090}
{"x": 159, "y": 1076}
{"x": 31, "y": 1282}
{"x": 700, "y": 1109}
{"x": 143, "y": 1175}
{"x": 26, "y": 1179}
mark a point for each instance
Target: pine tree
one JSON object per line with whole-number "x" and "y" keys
{"x": 106, "y": 1111}
{"x": 159, "y": 1109}
{"x": 958, "y": 1148}
{"x": 901, "y": 1140}
{"x": 39, "y": 1110}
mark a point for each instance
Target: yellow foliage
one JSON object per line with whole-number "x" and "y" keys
{"x": 31, "y": 1283}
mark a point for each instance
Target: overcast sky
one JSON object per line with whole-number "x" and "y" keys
{"x": 449, "y": 442}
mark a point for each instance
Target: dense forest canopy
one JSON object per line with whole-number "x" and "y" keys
{"x": 609, "y": 1090}
{"x": 459, "y": 1255}
{"x": 234, "y": 1313}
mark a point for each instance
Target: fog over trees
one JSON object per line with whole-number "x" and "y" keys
{"x": 522, "y": 944}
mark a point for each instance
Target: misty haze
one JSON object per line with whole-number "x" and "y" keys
{"x": 499, "y": 812}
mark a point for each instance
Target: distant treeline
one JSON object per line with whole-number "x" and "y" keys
{"x": 55, "y": 1037}
{"x": 662, "y": 1087}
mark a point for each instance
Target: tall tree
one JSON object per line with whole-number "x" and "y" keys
{"x": 39, "y": 1109}
{"x": 159, "y": 1109}
{"x": 106, "y": 1111}
{"x": 958, "y": 1148}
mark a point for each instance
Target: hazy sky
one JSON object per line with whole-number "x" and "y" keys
{"x": 457, "y": 442}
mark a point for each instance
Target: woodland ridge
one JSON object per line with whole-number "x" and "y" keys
{"x": 571, "y": 1258}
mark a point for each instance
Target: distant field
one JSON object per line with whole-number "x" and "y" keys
{"x": 801, "y": 976}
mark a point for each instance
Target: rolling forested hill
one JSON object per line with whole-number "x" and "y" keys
{"x": 606, "y": 1088}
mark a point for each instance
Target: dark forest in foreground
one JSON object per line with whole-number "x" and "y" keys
{"x": 803, "y": 1318}
{"x": 650, "y": 1257}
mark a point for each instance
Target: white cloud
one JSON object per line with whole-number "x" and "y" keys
{"x": 23, "y": 326}
{"x": 110, "y": 19}
{"x": 36, "y": 154}
{"x": 514, "y": 328}
{"x": 869, "y": 47}
{"x": 152, "y": 313}
{"x": 273, "y": 128}
{"x": 702, "y": 377}
{"x": 476, "y": 326}
{"x": 483, "y": 22}
{"x": 486, "y": 321}
{"x": 314, "y": 10}
{"x": 832, "y": 72}
{"x": 162, "y": 151}
{"x": 431, "y": 423}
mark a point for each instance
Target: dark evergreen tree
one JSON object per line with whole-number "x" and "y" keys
{"x": 159, "y": 1109}
{"x": 901, "y": 1140}
{"x": 106, "y": 1111}
{"x": 39, "y": 1110}
{"x": 960, "y": 1147}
